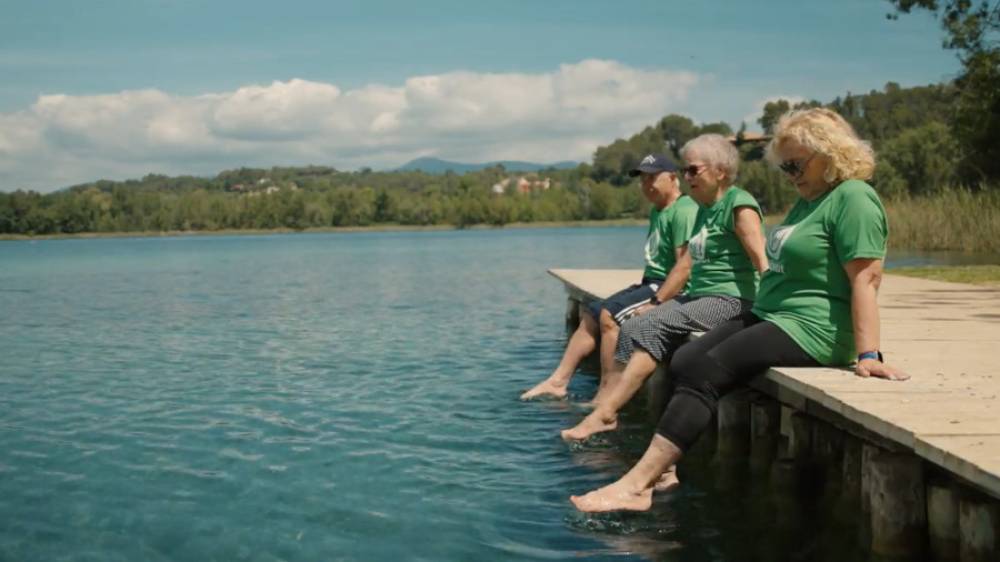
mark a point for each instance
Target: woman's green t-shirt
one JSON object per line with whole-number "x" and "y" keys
{"x": 669, "y": 229}
{"x": 806, "y": 291}
{"x": 719, "y": 264}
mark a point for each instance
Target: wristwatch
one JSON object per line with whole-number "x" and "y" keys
{"x": 877, "y": 355}
{"x": 655, "y": 300}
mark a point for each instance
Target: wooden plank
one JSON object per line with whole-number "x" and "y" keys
{"x": 596, "y": 283}
{"x": 974, "y": 457}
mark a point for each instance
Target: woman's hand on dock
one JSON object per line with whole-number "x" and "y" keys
{"x": 875, "y": 368}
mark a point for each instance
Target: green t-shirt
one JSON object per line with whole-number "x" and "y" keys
{"x": 669, "y": 228}
{"x": 720, "y": 265}
{"x": 806, "y": 291}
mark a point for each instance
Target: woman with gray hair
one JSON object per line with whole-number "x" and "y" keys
{"x": 725, "y": 253}
{"x": 816, "y": 305}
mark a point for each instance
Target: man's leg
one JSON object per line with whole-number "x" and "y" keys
{"x": 610, "y": 371}
{"x": 581, "y": 344}
{"x": 613, "y": 310}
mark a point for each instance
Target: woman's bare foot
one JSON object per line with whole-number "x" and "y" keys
{"x": 667, "y": 481}
{"x": 595, "y": 422}
{"x": 547, "y": 387}
{"x": 614, "y": 497}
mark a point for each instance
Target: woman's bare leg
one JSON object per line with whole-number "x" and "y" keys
{"x": 634, "y": 491}
{"x": 605, "y": 416}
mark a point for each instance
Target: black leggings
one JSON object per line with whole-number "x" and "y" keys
{"x": 711, "y": 366}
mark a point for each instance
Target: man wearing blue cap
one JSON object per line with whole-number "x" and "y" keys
{"x": 671, "y": 221}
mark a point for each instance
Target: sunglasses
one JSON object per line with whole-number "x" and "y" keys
{"x": 692, "y": 170}
{"x": 793, "y": 168}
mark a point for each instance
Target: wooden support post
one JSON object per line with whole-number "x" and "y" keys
{"x": 827, "y": 455}
{"x": 765, "y": 431}
{"x": 786, "y": 430}
{"x": 868, "y": 451}
{"x": 734, "y": 426}
{"x": 828, "y": 444}
{"x": 850, "y": 475}
{"x": 732, "y": 442}
{"x": 800, "y": 439}
{"x": 895, "y": 485}
{"x": 979, "y": 528}
{"x": 942, "y": 521}
{"x": 572, "y": 315}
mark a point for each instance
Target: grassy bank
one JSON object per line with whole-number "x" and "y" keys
{"x": 952, "y": 220}
{"x": 975, "y": 274}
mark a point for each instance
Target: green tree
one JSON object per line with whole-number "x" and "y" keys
{"x": 923, "y": 157}
{"x": 972, "y": 28}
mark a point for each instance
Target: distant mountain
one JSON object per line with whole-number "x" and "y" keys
{"x": 438, "y": 166}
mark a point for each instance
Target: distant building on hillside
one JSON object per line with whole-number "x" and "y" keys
{"x": 522, "y": 185}
{"x": 500, "y": 187}
{"x": 745, "y": 137}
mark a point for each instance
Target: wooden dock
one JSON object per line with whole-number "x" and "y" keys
{"x": 945, "y": 419}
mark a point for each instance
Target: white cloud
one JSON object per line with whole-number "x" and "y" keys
{"x": 564, "y": 114}
{"x": 758, "y": 109}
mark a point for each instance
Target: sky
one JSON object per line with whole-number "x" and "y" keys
{"x": 117, "y": 89}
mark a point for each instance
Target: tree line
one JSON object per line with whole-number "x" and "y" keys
{"x": 301, "y": 200}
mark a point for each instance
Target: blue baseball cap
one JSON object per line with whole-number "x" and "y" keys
{"x": 653, "y": 164}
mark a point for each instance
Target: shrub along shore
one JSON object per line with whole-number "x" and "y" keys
{"x": 956, "y": 220}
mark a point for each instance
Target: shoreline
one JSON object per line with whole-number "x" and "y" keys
{"x": 325, "y": 229}
{"x": 983, "y": 275}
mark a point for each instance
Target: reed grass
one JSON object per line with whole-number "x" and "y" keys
{"x": 955, "y": 219}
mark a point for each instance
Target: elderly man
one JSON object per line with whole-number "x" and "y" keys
{"x": 671, "y": 221}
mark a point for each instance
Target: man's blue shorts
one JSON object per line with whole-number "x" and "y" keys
{"x": 624, "y": 302}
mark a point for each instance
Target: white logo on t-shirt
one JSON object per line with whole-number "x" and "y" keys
{"x": 652, "y": 244}
{"x": 696, "y": 245}
{"x": 775, "y": 243}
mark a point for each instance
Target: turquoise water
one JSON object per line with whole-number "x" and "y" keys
{"x": 323, "y": 397}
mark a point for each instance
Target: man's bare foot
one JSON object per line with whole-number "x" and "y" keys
{"x": 614, "y": 497}
{"x": 667, "y": 481}
{"x": 546, "y": 388}
{"x": 595, "y": 422}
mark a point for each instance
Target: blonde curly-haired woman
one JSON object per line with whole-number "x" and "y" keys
{"x": 816, "y": 304}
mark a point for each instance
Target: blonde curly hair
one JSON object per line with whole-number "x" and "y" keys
{"x": 826, "y": 133}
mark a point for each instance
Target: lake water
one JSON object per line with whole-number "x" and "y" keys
{"x": 329, "y": 397}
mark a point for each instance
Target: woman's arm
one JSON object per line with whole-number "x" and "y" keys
{"x": 678, "y": 276}
{"x": 865, "y": 275}
{"x": 675, "y": 281}
{"x": 746, "y": 222}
